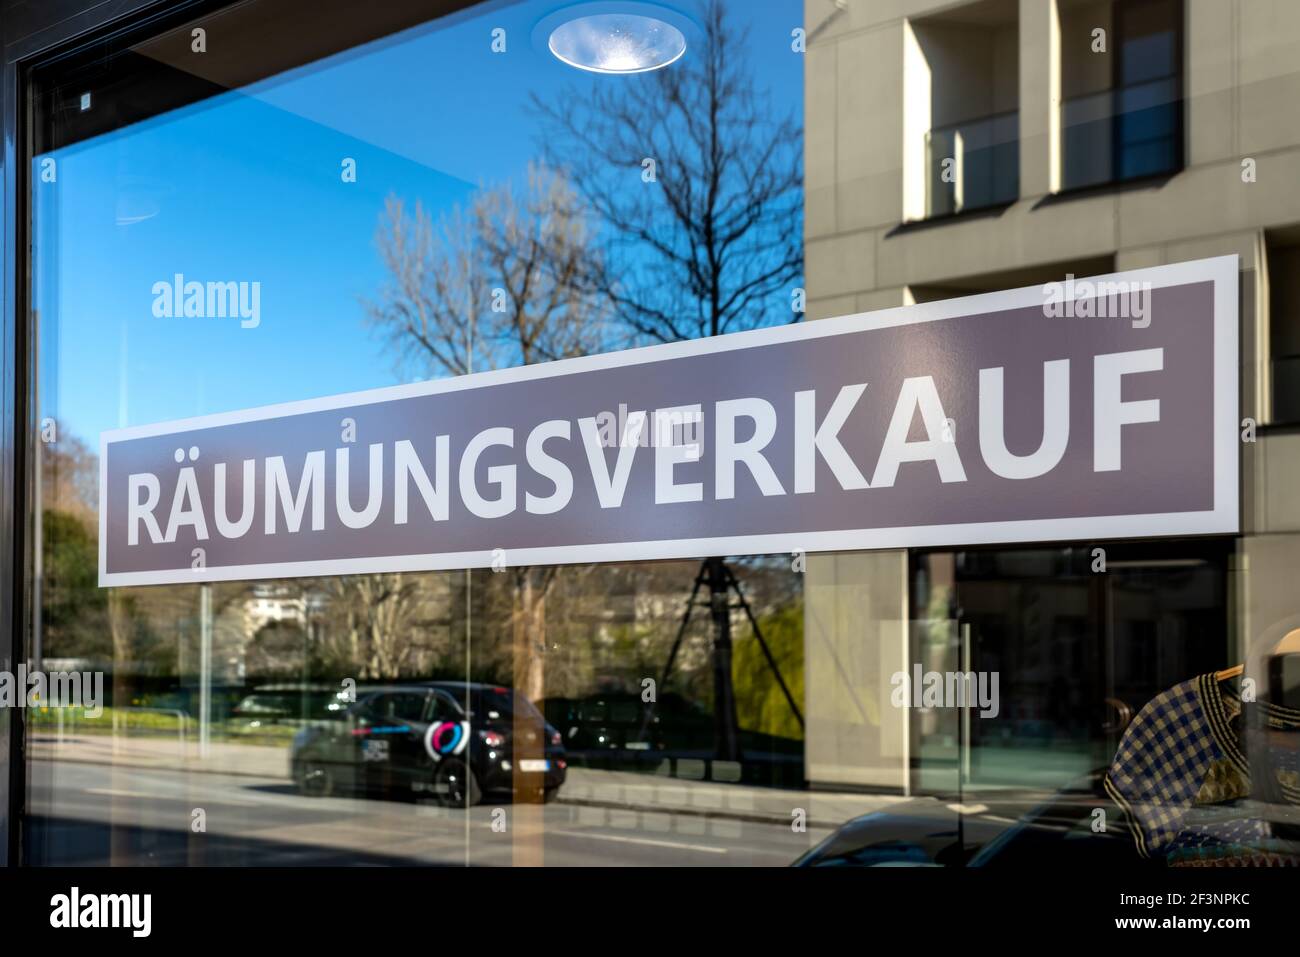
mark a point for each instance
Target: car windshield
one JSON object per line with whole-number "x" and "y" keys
{"x": 312, "y": 704}
{"x": 265, "y": 704}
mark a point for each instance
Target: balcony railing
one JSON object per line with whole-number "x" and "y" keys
{"x": 1121, "y": 134}
{"x": 972, "y": 165}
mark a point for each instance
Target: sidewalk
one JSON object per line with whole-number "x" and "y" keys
{"x": 165, "y": 752}
{"x": 652, "y": 792}
{"x": 622, "y": 790}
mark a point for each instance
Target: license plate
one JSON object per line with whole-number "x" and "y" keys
{"x": 535, "y": 765}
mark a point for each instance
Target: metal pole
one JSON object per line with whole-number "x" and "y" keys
{"x": 38, "y": 509}
{"x": 725, "y": 725}
{"x": 469, "y": 579}
{"x": 205, "y": 668}
{"x": 965, "y": 710}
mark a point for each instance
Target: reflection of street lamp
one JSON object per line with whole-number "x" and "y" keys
{"x": 617, "y": 43}
{"x": 137, "y": 199}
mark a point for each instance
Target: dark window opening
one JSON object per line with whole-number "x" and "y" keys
{"x": 1121, "y": 91}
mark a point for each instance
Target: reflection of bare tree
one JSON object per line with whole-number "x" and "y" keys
{"x": 491, "y": 285}
{"x": 276, "y": 651}
{"x": 73, "y": 608}
{"x": 715, "y": 243}
{"x": 380, "y": 625}
{"x": 70, "y": 476}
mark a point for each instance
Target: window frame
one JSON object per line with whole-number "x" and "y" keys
{"x": 1119, "y": 10}
{"x": 1122, "y": 10}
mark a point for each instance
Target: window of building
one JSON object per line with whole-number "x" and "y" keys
{"x": 1284, "y": 326}
{"x": 962, "y": 110}
{"x": 1121, "y": 90}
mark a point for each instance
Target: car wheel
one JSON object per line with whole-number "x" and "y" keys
{"x": 316, "y": 780}
{"x": 455, "y": 785}
{"x": 550, "y": 795}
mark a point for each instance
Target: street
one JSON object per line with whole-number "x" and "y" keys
{"x": 263, "y": 821}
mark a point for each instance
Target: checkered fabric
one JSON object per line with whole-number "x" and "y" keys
{"x": 1166, "y": 754}
{"x": 1240, "y": 832}
{"x": 1262, "y": 853}
{"x": 1282, "y": 761}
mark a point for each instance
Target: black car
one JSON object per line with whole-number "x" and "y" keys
{"x": 1021, "y": 828}
{"x": 452, "y": 740}
{"x": 621, "y": 721}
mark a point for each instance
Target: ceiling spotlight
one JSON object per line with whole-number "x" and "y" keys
{"x": 617, "y": 43}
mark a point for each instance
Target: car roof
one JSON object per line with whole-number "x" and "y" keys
{"x": 928, "y": 821}
{"x": 430, "y": 685}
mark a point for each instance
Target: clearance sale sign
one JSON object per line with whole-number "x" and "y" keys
{"x": 1094, "y": 408}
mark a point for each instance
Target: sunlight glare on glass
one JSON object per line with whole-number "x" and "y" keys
{"x": 617, "y": 43}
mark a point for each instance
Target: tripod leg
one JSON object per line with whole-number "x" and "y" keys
{"x": 672, "y": 655}
{"x": 681, "y": 631}
{"x": 767, "y": 652}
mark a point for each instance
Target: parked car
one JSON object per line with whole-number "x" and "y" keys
{"x": 1013, "y": 828}
{"x": 453, "y": 740}
{"x": 621, "y": 721}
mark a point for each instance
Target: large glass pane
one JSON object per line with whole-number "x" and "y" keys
{"x": 369, "y": 218}
{"x": 255, "y": 210}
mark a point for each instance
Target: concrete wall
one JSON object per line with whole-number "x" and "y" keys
{"x": 855, "y": 639}
{"x": 855, "y": 119}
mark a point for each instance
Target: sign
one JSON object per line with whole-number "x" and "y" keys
{"x": 1083, "y": 410}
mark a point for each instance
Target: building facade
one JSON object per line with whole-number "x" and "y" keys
{"x": 1127, "y": 135}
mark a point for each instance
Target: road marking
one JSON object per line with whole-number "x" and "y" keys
{"x": 702, "y": 848}
{"x": 113, "y": 792}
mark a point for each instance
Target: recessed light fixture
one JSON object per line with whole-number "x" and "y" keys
{"x": 617, "y": 43}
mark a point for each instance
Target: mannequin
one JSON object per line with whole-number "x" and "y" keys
{"x": 1271, "y": 731}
